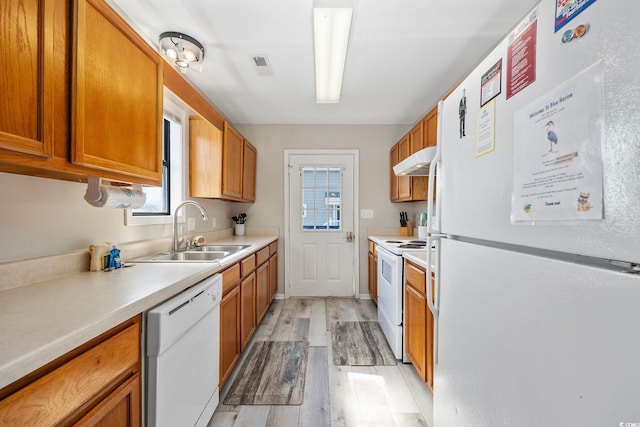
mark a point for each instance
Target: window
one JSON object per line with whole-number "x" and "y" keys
{"x": 321, "y": 197}
{"x": 161, "y": 201}
{"x": 159, "y": 198}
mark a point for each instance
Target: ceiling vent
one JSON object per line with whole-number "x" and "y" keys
{"x": 263, "y": 67}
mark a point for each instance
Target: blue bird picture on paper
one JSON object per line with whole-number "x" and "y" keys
{"x": 552, "y": 137}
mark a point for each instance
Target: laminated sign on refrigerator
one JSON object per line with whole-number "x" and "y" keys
{"x": 557, "y": 171}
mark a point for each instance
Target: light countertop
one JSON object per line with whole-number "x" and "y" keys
{"x": 45, "y": 320}
{"x": 420, "y": 258}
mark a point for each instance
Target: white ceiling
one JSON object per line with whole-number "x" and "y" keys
{"x": 403, "y": 55}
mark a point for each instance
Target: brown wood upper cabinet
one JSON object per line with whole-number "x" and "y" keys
{"x": 249, "y": 161}
{"x": 405, "y": 188}
{"x": 424, "y": 134}
{"x": 222, "y": 164}
{"x": 27, "y": 86}
{"x": 117, "y": 87}
{"x": 431, "y": 128}
{"x": 74, "y": 107}
{"x": 418, "y": 141}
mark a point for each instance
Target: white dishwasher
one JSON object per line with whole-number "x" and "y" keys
{"x": 183, "y": 353}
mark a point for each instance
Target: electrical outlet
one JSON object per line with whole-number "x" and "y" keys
{"x": 213, "y": 221}
{"x": 191, "y": 224}
{"x": 366, "y": 213}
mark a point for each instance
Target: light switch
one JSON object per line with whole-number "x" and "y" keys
{"x": 191, "y": 224}
{"x": 366, "y": 213}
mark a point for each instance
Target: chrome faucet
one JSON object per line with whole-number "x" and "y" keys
{"x": 178, "y": 241}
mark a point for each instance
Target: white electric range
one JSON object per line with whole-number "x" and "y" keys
{"x": 391, "y": 288}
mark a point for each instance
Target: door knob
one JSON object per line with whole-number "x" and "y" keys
{"x": 350, "y": 236}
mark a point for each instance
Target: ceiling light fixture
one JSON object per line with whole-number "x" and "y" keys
{"x": 331, "y": 27}
{"x": 183, "y": 50}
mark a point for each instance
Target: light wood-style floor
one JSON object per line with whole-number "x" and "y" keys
{"x": 359, "y": 396}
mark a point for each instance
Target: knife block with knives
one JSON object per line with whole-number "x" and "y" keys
{"x": 406, "y": 229}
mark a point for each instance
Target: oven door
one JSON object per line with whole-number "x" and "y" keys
{"x": 390, "y": 298}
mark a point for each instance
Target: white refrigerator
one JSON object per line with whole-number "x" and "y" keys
{"x": 537, "y": 304}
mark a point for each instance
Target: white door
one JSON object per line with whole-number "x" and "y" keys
{"x": 321, "y": 255}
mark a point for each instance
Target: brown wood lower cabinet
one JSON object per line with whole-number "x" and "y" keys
{"x": 247, "y": 293}
{"x": 229, "y": 331}
{"x": 120, "y": 408}
{"x": 247, "y": 309}
{"x": 273, "y": 276}
{"x": 418, "y": 323}
{"x": 96, "y": 384}
{"x": 262, "y": 290}
{"x": 373, "y": 272}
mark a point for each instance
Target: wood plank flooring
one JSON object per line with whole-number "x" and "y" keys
{"x": 385, "y": 396}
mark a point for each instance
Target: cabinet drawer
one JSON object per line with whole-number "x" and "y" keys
{"x": 262, "y": 255}
{"x": 230, "y": 277}
{"x": 416, "y": 277}
{"x": 57, "y": 396}
{"x": 273, "y": 248}
{"x": 247, "y": 265}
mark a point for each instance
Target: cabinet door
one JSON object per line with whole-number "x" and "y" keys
{"x": 404, "y": 182}
{"x": 117, "y": 103}
{"x": 393, "y": 179}
{"x": 373, "y": 277}
{"x": 79, "y": 384}
{"x": 232, "y": 148}
{"x": 229, "y": 333}
{"x": 250, "y": 157}
{"x": 27, "y": 84}
{"x": 205, "y": 158}
{"x": 247, "y": 309}
{"x": 431, "y": 131}
{"x": 415, "y": 329}
{"x": 262, "y": 291}
{"x": 273, "y": 276}
{"x": 417, "y": 137}
{"x": 121, "y": 408}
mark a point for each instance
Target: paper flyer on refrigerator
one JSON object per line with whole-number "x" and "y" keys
{"x": 557, "y": 153}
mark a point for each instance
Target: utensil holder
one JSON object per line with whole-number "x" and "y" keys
{"x": 239, "y": 229}
{"x": 407, "y": 231}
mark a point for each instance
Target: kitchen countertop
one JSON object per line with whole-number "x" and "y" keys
{"x": 43, "y": 321}
{"x": 420, "y": 258}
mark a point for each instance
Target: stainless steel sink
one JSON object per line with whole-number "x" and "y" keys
{"x": 218, "y": 248}
{"x": 187, "y": 256}
{"x": 205, "y": 253}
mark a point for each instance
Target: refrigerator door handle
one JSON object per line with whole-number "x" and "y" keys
{"x": 431, "y": 301}
{"x": 431, "y": 182}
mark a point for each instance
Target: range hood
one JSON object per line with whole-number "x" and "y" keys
{"x": 416, "y": 164}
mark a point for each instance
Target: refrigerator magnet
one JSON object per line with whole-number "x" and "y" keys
{"x": 567, "y": 36}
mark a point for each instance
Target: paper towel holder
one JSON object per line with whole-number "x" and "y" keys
{"x": 94, "y": 193}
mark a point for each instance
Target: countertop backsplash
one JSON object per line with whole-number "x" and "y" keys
{"x": 32, "y": 270}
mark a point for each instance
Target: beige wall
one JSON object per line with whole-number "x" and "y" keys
{"x": 40, "y": 216}
{"x": 373, "y": 144}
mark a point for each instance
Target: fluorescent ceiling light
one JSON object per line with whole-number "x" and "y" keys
{"x": 331, "y": 28}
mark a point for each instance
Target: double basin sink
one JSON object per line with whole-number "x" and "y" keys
{"x": 204, "y": 253}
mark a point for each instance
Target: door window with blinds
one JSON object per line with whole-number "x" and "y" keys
{"x": 321, "y": 197}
